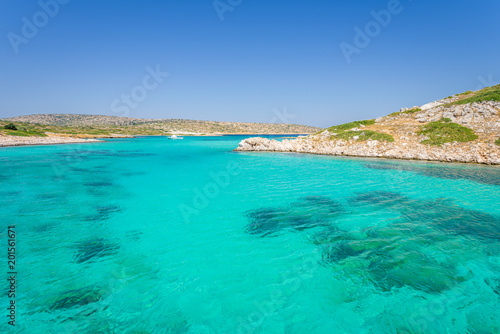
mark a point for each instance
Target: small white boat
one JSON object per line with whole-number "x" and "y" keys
{"x": 175, "y": 137}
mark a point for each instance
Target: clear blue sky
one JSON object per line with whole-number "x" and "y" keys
{"x": 264, "y": 56}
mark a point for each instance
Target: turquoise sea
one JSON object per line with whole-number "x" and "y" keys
{"x": 151, "y": 235}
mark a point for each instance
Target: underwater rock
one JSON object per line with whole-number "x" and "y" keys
{"x": 494, "y": 284}
{"x": 329, "y": 235}
{"x": 128, "y": 174}
{"x": 412, "y": 269}
{"x": 134, "y": 235}
{"x": 75, "y": 298}
{"x": 319, "y": 203}
{"x": 339, "y": 251}
{"x": 440, "y": 213}
{"x": 264, "y": 221}
{"x": 99, "y": 184}
{"x": 93, "y": 249}
{"x": 308, "y": 212}
{"x": 41, "y": 228}
{"x": 385, "y": 198}
{"x": 453, "y": 219}
{"x": 484, "y": 175}
{"x": 390, "y": 257}
{"x": 103, "y": 212}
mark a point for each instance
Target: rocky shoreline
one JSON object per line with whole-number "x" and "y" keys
{"x": 482, "y": 118}
{"x": 481, "y": 153}
{"x": 7, "y": 141}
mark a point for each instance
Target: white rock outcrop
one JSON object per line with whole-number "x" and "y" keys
{"x": 483, "y": 118}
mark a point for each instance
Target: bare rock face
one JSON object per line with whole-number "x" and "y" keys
{"x": 483, "y": 118}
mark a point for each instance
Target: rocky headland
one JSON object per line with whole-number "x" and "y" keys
{"x": 449, "y": 130}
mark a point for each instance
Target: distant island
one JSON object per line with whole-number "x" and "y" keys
{"x": 44, "y": 129}
{"x": 460, "y": 128}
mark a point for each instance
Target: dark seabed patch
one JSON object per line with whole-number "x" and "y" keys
{"x": 398, "y": 255}
{"x": 97, "y": 184}
{"x": 306, "y": 213}
{"x": 134, "y": 235}
{"x": 481, "y": 174}
{"x": 494, "y": 284}
{"x": 390, "y": 258}
{"x": 10, "y": 193}
{"x": 91, "y": 250}
{"x": 128, "y": 174}
{"x": 76, "y": 298}
{"x": 42, "y": 228}
{"x": 440, "y": 213}
{"x": 103, "y": 212}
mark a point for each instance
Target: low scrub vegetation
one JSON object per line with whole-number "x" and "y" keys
{"x": 486, "y": 94}
{"x": 364, "y": 135}
{"x": 10, "y": 126}
{"x": 108, "y": 125}
{"x": 444, "y": 131}
{"x": 18, "y": 129}
{"x": 411, "y": 111}
{"x": 344, "y": 132}
{"x": 498, "y": 142}
{"x": 351, "y": 125}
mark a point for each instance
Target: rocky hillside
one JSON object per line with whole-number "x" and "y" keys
{"x": 107, "y": 125}
{"x": 460, "y": 128}
{"x": 71, "y": 120}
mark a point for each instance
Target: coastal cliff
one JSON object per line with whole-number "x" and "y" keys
{"x": 449, "y": 130}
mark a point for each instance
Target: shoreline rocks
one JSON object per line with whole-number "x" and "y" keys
{"x": 473, "y": 152}
{"x": 9, "y": 141}
{"x": 483, "y": 118}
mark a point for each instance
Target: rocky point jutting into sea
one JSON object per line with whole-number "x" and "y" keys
{"x": 444, "y": 130}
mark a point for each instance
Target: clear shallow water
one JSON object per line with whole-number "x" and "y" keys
{"x": 158, "y": 236}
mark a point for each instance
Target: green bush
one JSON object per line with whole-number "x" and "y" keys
{"x": 486, "y": 94}
{"x": 10, "y": 126}
{"x": 411, "y": 111}
{"x": 498, "y": 142}
{"x": 365, "y": 135}
{"x": 351, "y": 125}
{"x": 444, "y": 131}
